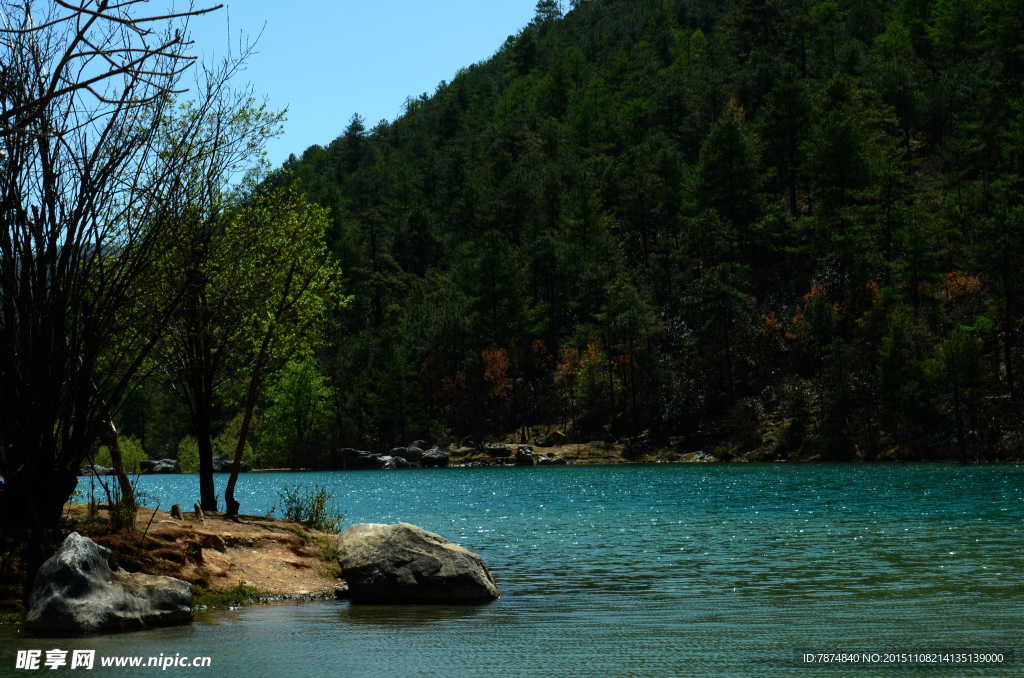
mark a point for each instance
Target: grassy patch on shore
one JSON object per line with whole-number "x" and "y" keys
{"x": 203, "y": 596}
{"x": 11, "y": 612}
{"x": 329, "y": 555}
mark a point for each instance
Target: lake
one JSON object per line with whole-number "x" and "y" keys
{"x": 663, "y": 570}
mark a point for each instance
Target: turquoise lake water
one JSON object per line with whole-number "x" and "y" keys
{"x": 666, "y": 570}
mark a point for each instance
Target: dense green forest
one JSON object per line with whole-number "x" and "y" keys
{"x": 672, "y": 221}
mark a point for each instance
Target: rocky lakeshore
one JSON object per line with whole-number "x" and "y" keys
{"x": 173, "y": 564}
{"x": 228, "y": 560}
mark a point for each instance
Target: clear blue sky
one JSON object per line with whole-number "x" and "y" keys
{"x": 326, "y": 60}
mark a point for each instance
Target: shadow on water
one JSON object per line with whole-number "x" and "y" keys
{"x": 363, "y": 614}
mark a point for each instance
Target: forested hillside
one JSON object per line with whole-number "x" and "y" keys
{"x": 688, "y": 221}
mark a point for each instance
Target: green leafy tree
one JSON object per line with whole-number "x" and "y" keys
{"x": 188, "y": 455}
{"x": 131, "y": 454}
{"x": 259, "y": 279}
{"x": 298, "y": 417}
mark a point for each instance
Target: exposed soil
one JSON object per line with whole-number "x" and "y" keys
{"x": 222, "y": 552}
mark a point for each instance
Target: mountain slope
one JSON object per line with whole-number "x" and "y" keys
{"x": 682, "y": 218}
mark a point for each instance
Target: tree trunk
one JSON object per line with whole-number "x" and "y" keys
{"x": 232, "y": 506}
{"x": 207, "y": 493}
{"x": 108, "y": 436}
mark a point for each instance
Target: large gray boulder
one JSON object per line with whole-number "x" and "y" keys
{"x": 435, "y": 456}
{"x": 544, "y": 440}
{"x": 551, "y": 460}
{"x": 411, "y": 453}
{"x": 406, "y": 564}
{"x": 524, "y": 456}
{"x": 82, "y": 589}
{"x": 160, "y": 466}
{"x": 407, "y": 453}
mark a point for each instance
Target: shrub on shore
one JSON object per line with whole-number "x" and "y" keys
{"x": 313, "y": 508}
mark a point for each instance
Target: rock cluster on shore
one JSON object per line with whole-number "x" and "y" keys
{"x": 221, "y": 465}
{"x": 82, "y": 589}
{"x": 162, "y": 467}
{"x": 399, "y": 457}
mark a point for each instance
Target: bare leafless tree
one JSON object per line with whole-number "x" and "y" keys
{"x": 100, "y": 162}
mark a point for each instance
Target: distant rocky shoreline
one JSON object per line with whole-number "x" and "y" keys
{"x": 543, "y": 450}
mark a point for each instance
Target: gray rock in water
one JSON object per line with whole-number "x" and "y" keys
{"x": 500, "y": 451}
{"x": 524, "y": 456}
{"x": 406, "y": 564}
{"x": 544, "y": 441}
{"x": 176, "y": 512}
{"x": 159, "y": 466}
{"x": 400, "y": 462}
{"x": 95, "y": 470}
{"x": 435, "y": 456}
{"x": 82, "y": 589}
